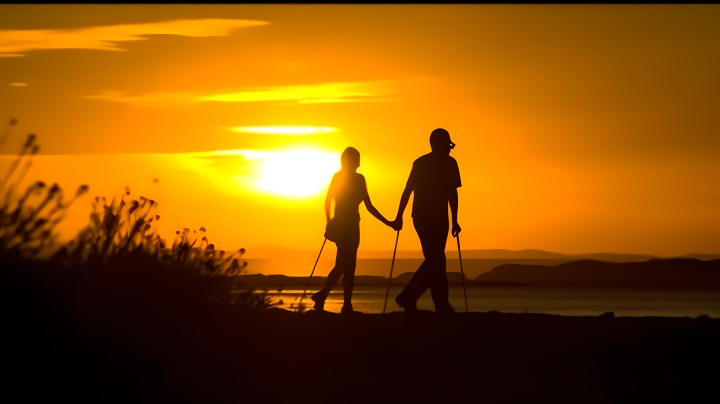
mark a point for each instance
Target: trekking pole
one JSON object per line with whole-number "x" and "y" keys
{"x": 391, "y": 269}
{"x": 311, "y": 274}
{"x": 462, "y": 274}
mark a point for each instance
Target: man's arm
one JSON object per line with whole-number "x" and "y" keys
{"x": 454, "y": 210}
{"x": 404, "y": 199}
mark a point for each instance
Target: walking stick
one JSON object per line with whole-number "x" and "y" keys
{"x": 462, "y": 274}
{"x": 311, "y": 274}
{"x": 391, "y": 269}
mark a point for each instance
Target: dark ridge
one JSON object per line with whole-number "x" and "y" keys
{"x": 685, "y": 273}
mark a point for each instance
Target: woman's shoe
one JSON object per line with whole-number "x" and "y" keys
{"x": 319, "y": 300}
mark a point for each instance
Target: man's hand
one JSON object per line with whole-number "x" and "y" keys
{"x": 455, "y": 229}
{"x": 397, "y": 224}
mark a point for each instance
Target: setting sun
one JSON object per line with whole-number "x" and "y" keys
{"x": 296, "y": 172}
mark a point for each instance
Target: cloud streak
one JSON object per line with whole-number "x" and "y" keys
{"x": 15, "y": 43}
{"x": 147, "y": 100}
{"x": 363, "y": 91}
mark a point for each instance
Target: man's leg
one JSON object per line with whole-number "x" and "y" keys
{"x": 418, "y": 284}
{"x": 423, "y": 277}
{"x": 439, "y": 286}
{"x": 436, "y": 240}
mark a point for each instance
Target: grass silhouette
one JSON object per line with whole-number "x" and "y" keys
{"x": 120, "y": 241}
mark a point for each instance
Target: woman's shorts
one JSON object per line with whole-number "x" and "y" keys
{"x": 349, "y": 234}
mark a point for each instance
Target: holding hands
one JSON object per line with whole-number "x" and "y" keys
{"x": 395, "y": 225}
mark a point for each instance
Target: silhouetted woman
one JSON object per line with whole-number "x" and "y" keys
{"x": 348, "y": 188}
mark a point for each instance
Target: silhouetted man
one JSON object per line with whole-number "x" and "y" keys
{"x": 434, "y": 178}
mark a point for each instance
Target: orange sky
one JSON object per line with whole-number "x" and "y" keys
{"x": 579, "y": 128}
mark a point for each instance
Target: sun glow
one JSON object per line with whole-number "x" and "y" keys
{"x": 294, "y": 173}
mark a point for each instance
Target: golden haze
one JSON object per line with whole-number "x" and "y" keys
{"x": 579, "y": 128}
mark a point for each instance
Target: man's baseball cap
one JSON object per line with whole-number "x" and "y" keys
{"x": 440, "y": 136}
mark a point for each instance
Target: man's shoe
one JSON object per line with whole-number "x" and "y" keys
{"x": 409, "y": 307}
{"x": 444, "y": 310}
{"x": 349, "y": 310}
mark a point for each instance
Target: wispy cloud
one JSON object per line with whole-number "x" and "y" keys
{"x": 18, "y": 84}
{"x": 362, "y": 91}
{"x": 147, "y": 100}
{"x": 326, "y": 92}
{"x": 345, "y": 99}
{"x": 14, "y": 43}
{"x": 284, "y": 130}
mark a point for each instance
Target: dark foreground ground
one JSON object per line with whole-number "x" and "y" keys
{"x": 276, "y": 356}
{"x": 116, "y": 342}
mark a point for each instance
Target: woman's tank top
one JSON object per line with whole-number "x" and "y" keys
{"x": 349, "y": 194}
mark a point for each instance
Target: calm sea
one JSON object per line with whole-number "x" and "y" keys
{"x": 572, "y": 302}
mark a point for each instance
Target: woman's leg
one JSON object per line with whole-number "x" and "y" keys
{"x": 345, "y": 262}
{"x": 332, "y": 279}
{"x": 347, "y": 259}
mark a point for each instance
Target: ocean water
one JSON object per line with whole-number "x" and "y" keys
{"x": 570, "y": 302}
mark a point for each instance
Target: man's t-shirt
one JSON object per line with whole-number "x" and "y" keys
{"x": 433, "y": 178}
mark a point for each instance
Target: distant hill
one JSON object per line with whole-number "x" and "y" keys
{"x": 539, "y": 254}
{"x": 300, "y": 282}
{"x": 499, "y": 254}
{"x": 505, "y": 254}
{"x": 685, "y": 273}
{"x": 451, "y": 253}
{"x": 294, "y": 282}
{"x": 381, "y": 267}
{"x": 453, "y": 278}
{"x": 289, "y": 254}
{"x": 702, "y": 257}
{"x": 612, "y": 257}
{"x": 291, "y": 282}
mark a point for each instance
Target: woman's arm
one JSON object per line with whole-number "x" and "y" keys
{"x": 329, "y": 198}
{"x": 371, "y": 208}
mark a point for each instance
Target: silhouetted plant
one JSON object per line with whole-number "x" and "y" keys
{"x": 122, "y": 235}
{"x": 299, "y": 307}
{"x": 119, "y": 229}
{"x": 131, "y": 227}
{"x": 252, "y": 300}
{"x": 27, "y": 223}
